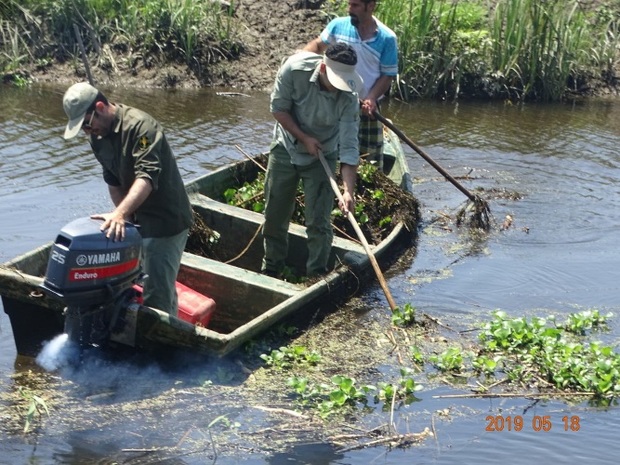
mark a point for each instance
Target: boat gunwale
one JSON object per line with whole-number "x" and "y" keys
{"x": 223, "y": 343}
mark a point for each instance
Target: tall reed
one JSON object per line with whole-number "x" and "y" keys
{"x": 189, "y": 29}
{"x": 12, "y": 52}
{"x": 537, "y": 46}
{"x": 439, "y": 43}
{"x": 524, "y": 49}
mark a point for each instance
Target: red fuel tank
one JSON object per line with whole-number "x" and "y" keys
{"x": 194, "y": 307}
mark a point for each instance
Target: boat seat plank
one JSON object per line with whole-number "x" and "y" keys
{"x": 208, "y": 203}
{"x": 233, "y": 273}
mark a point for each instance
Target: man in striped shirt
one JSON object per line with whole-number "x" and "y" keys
{"x": 377, "y": 64}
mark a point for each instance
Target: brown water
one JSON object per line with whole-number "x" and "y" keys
{"x": 560, "y": 256}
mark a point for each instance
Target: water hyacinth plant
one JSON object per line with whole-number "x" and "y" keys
{"x": 557, "y": 355}
{"x": 287, "y": 357}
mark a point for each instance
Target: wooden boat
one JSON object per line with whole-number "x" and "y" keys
{"x": 247, "y": 302}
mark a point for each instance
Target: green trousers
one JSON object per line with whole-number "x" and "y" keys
{"x": 161, "y": 262}
{"x": 281, "y": 182}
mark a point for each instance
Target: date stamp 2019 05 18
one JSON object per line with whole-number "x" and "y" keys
{"x": 539, "y": 423}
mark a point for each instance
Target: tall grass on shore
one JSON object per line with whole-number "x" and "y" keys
{"x": 197, "y": 32}
{"x": 508, "y": 49}
{"x": 521, "y": 49}
{"x": 15, "y": 35}
{"x": 538, "y": 46}
{"x": 441, "y": 43}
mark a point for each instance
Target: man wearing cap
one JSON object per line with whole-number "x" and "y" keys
{"x": 377, "y": 52}
{"x": 316, "y": 108}
{"x": 144, "y": 183}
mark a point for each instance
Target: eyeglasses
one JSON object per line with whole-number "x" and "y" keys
{"x": 89, "y": 125}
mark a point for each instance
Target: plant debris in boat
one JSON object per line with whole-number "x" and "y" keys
{"x": 202, "y": 240}
{"x": 380, "y": 204}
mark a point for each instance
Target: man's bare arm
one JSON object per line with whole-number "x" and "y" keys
{"x": 316, "y": 46}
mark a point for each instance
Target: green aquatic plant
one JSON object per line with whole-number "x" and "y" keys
{"x": 250, "y": 195}
{"x": 416, "y": 355}
{"x": 327, "y": 399}
{"x": 403, "y": 389}
{"x": 558, "y": 356}
{"x": 450, "y": 360}
{"x": 486, "y": 365}
{"x": 360, "y": 214}
{"x": 305, "y": 389}
{"x": 385, "y": 221}
{"x": 580, "y": 323}
{"x": 35, "y": 407}
{"x": 287, "y": 357}
{"x": 366, "y": 172}
{"x": 343, "y": 394}
{"x": 404, "y": 316}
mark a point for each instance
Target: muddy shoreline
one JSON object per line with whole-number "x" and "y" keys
{"x": 270, "y": 32}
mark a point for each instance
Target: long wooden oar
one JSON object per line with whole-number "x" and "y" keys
{"x": 359, "y": 233}
{"x": 481, "y": 206}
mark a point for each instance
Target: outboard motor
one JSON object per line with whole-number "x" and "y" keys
{"x": 94, "y": 276}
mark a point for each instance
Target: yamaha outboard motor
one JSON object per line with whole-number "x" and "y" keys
{"x": 94, "y": 277}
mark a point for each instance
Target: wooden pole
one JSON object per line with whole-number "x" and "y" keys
{"x": 360, "y": 234}
{"x": 421, "y": 152}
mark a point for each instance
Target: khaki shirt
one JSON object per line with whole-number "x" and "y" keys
{"x": 330, "y": 117}
{"x": 136, "y": 147}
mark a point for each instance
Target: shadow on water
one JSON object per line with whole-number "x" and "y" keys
{"x": 558, "y": 255}
{"x": 307, "y": 454}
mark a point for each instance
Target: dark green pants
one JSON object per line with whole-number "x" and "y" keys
{"x": 161, "y": 262}
{"x": 281, "y": 182}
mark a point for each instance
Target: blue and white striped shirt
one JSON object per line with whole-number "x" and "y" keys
{"x": 377, "y": 56}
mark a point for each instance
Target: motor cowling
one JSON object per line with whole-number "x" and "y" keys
{"x": 94, "y": 277}
{"x": 85, "y": 267}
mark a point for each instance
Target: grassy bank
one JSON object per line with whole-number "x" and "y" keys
{"x": 514, "y": 49}
{"x": 41, "y": 32}
{"x": 491, "y": 49}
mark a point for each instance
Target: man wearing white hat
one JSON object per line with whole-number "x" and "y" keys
{"x": 144, "y": 183}
{"x": 316, "y": 108}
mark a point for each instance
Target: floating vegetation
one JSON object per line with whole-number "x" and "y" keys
{"x": 35, "y": 407}
{"x": 202, "y": 239}
{"x": 286, "y": 357}
{"x": 475, "y": 214}
{"x": 251, "y": 195}
{"x": 540, "y": 354}
{"x": 404, "y": 316}
{"x": 450, "y": 360}
{"x": 379, "y": 204}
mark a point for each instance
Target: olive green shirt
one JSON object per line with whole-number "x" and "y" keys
{"x": 330, "y": 117}
{"x": 136, "y": 147}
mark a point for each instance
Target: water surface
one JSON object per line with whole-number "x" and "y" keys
{"x": 559, "y": 256}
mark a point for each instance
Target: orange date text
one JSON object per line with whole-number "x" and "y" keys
{"x": 538, "y": 423}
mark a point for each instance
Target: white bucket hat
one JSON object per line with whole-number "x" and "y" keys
{"x": 340, "y": 60}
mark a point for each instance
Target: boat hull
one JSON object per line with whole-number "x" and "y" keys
{"x": 248, "y": 302}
